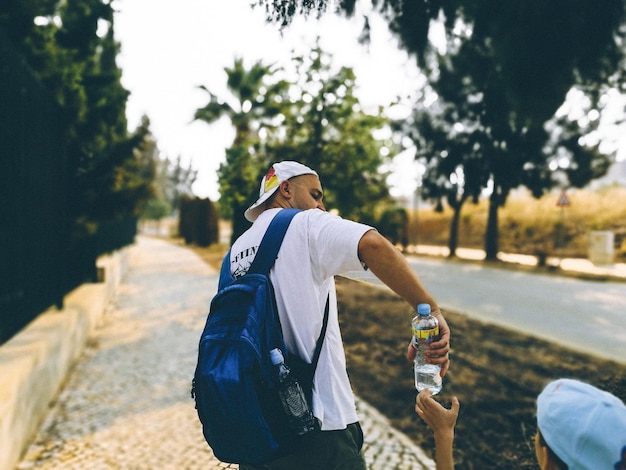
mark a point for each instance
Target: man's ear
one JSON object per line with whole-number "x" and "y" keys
{"x": 284, "y": 189}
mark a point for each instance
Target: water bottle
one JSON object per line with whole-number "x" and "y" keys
{"x": 301, "y": 419}
{"x": 425, "y": 331}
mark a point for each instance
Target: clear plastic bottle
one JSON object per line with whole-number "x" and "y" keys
{"x": 301, "y": 419}
{"x": 425, "y": 331}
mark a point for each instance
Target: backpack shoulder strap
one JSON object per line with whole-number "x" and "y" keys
{"x": 320, "y": 339}
{"x": 270, "y": 244}
{"x": 266, "y": 255}
{"x": 225, "y": 276}
{"x": 268, "y": 248}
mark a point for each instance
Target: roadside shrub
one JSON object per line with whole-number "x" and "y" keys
{"x": 198, "y": 221}
{"x": 393, "y": 224}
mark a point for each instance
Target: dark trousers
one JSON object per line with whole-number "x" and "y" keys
{"x": 323, "y": 450}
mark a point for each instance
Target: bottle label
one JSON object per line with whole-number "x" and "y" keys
{"x": 428, "y": 335}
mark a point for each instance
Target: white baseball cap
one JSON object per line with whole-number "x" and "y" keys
{"x": 583, "y": 425}
{"x": 277, "y": 173}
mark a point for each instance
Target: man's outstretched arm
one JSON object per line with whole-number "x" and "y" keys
{"x": 390, "y": 266}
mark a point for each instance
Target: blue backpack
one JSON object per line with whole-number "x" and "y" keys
{"x": 234, "y": 384}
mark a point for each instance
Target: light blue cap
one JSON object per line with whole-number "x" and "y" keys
{"x": 583, "y": 425}
{"x": 423, "y": 309}
{"x": 276, "y": 356}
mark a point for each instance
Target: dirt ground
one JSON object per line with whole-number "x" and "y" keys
{"x": 496, "y": 373}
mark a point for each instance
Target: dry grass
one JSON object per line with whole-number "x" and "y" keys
{"x": 528, "y": 225}
{"x": 496, "y": 373}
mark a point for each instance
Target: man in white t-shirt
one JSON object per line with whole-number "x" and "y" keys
{"x": 317, "y": 246}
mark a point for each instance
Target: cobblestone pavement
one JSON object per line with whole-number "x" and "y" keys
{"x": 126, "y": 404}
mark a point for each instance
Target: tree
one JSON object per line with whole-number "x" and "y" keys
{"x": 258, "y": 100}
{"x": 171, "y": 179}
{"x": 515, "y": 62}
{"x": 326, "y": 127}
{"x": 179, "y": 180}
{"x": 453, "y": 170}
{"x": 478, "y": 140}
{"x": 70, "y": 45}
{"x": 542, "y": 48}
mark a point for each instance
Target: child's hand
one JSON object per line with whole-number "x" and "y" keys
{"x": 438, "y": 418}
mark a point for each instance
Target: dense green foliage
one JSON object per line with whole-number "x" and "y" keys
{"x": 326, "y": 129}
{"x": 542, "y": 48}
{"x": 316, "y": 120}
{"x": 470, "y": 141}
{"x": 70, "y": 46}
{"x": 256, "y": 100}
{"x": 198, "y": 221}
{"x": 505, "y": 71}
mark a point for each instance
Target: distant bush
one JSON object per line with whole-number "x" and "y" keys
{"x": 393, "y": 224}
{"x": 198, "y": 221}
{"x": 156, "y": 209}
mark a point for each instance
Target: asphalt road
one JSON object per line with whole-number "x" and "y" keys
{"x": 585, "y": 315}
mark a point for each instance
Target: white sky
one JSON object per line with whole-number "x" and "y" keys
{"x": 169, "y": 47}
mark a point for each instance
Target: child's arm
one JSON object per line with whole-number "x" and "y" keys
{"x": 442, "y": 422}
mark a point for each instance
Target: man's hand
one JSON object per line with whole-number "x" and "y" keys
{"x": 439, "y": 352}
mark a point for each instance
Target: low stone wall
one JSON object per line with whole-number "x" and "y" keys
{"x": 35, "y": 362}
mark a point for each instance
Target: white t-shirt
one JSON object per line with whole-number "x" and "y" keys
{"x": 317, "y": 246}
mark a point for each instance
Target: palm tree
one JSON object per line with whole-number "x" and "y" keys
{"x": 255, "y": 106}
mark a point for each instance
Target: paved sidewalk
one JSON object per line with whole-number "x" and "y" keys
{"x": 126, "y": 404}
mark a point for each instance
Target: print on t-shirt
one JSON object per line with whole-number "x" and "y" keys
{"x": 243, "y": 260}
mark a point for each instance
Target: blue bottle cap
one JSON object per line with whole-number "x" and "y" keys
{"x": 423, "y": 310}
{"x": 276, "y": 356}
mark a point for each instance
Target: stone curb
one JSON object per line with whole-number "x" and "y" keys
{"x": 579, "y": 268}
{"x": 35, "y": 362}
